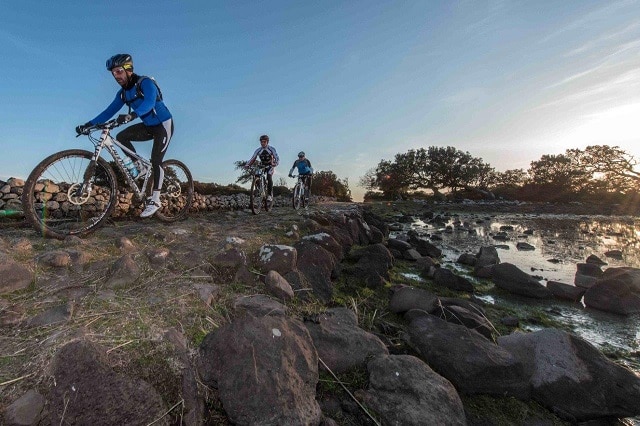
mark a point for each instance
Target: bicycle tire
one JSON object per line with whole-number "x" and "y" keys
{"x": 176, "y": 194}
{"x": 255, "y": 198}
{"x": 52, "y": 207}
{"x": 297, "y": 199}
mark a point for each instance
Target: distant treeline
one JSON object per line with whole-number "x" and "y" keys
{"x": 599, "y": 173}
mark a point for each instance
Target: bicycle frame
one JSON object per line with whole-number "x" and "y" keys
{"x": 300, "y": 192}
{"x": 106, "y": 141}
{"x": 262, "y": 169}
{"x": 259, "y": 185}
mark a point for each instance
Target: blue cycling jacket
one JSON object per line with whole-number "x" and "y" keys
{"x": 304, "y": 167}
{"x": 149, "y": 108}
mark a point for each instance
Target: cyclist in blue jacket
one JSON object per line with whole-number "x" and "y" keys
{"x": 142, "y": 95}
{"x": 305, "y": 170}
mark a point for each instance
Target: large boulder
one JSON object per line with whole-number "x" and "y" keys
{"x": 340, "y": 343}
{"x": 372, "y": 264}
{"x": 275, "y": 257}
{"x": 565, "y": 291}
{"x": 467, "y": 359}
{"x": 317, "y": 265}
{"x": 486, "y": 256}
{"x": 376, "y": 221}
{"x": 124, "y": 272}
{"x": 617, "y": 291}
{"x": 327, "y": 242}
{"x": 14, "y": 276}
{"x": 339, "y": 234}
{"x": 571, "y": 377}
{"x": 265, "y": 370}
{"x": 403, "y": 390}
{"x": 407, "y": 298}
{"x": 398, "y": 244}
{"x": 473, "y": 320}
{"x": 25, "y": 411}
{"x": 423, "y": 246}
{"x": 509, "y": 277}
{"x": 87, "y": 391}
{"x": 587, "y": 274}
{"x": 449, "y": 279}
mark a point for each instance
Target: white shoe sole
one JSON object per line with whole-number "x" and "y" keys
{"x": 150, "y": 210}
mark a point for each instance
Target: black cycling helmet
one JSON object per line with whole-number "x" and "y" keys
{"x": 301, "y": 154}
{"x": 123, "y": 60}
{"x": 264, "y": 138}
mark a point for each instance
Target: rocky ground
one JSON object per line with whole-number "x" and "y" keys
{"x": 282, "y": 318}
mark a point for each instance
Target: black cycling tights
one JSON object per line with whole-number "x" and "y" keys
{"x": 269, "y": 184}
{"x": 161, "y": 135}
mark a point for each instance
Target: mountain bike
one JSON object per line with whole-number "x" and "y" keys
{"x": 259, "y": 184}
{"x": 73, "y": 192}
{"x": 300, "y": 199}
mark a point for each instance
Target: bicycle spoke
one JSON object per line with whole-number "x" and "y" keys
{"x": 59, "y": 203}
{"x": 176, "y": 195}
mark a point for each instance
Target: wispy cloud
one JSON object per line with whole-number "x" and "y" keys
{"x": 471, "y": 94}
{"x": 594, "y": 69}
{"x": 594, "y": 15}
{"x": 616, "y": 57}
{"x": 614, "y": 87}
{"x": 28, "y": 48}
{"x": 603, "y": 39}
{"x": 494, "y": 10}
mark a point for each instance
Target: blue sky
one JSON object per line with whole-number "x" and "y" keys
{"x": 348, "y": 82}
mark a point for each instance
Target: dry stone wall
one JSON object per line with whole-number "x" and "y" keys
{"x": 11, "y": 193}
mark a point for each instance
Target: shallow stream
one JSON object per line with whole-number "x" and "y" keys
{"x": 559, "y": 243}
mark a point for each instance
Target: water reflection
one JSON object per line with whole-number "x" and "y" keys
{"x": 559, "y": 243}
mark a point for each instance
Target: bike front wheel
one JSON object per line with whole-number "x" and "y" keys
{"x": 255, "y": 198}
{"x": 69, "y": 194}
{"x": 176, "y": 194}
{"x": 297, "y": 196}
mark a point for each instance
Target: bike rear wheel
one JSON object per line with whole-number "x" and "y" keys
{"x": 297, "y": 196}
{"x": 255, "y": 199}
{"x": 176, "y": 194}
{"x": 55, "y": 202}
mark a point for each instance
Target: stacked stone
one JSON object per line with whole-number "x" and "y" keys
{"x": 127, "y": 205}
{"x": 10, "y": 194}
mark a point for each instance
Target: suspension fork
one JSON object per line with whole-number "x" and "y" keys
{"x": 90, "y": 171}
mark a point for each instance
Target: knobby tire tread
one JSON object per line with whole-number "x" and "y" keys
{"x": 28, "y": 197}
{"x": 184, "y": 211}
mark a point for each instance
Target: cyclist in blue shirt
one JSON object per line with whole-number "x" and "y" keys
{"x": 266, "y": 154}
{"x": 142, "y": 95}
{"x": 305, "y": 170}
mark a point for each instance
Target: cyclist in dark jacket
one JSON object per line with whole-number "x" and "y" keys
{"x": 266, "y": 155}
{"x": 143, "y": 97}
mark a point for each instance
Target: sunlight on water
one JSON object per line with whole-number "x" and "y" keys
{"x": 414, "y": 277}
{"x": 559, "y": 243}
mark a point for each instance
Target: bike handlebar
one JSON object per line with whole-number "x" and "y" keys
{"x": 111, "y": 124}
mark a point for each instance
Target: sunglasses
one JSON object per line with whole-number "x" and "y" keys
{"x": 117, "y": 71}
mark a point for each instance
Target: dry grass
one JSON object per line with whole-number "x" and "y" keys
{"x": 130, "y": 322}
